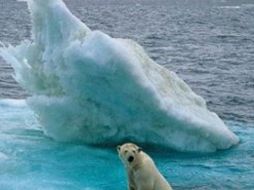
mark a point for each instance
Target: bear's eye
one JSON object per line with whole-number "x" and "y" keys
{"x": 134, "y": 151}
{"x": 125, "y": 151}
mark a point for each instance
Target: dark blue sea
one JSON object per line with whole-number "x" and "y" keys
{"x": 208, "y": 43}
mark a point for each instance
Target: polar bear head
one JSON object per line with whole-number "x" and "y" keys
{"x": 129, "y": 154}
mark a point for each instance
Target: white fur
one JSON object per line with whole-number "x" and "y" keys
{"x": 142, "y": 172}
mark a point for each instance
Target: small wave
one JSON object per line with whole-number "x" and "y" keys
{"x": 245, "y": 6}
{"x": 224, "y": 36}
{"x": 248, "y": 6}
{"x": 3, "y": 156}
{"x": 230, "y": 7}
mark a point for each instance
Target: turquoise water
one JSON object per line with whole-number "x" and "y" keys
{"x": 30, "y": 160}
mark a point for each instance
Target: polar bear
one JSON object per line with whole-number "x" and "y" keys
{"x": 141, "y": 170}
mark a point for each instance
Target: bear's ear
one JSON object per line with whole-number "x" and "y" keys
{"x": 139, "y": 149}
{"x": 118, "y": 148}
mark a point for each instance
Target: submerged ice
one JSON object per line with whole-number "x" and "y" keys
{"x": 89, "y": 87}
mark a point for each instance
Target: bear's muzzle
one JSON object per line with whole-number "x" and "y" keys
{"x": 130, "y": 159}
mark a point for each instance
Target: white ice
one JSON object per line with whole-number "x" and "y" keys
{"x": 87, "y": 86}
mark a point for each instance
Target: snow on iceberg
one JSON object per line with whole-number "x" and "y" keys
{"x": 89, "y": 87}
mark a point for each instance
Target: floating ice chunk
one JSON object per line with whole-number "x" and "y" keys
{"x": 12, "y": 103}
{"x": 89, "y": 87}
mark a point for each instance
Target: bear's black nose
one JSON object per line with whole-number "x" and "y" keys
{"x": 130, "y": 159}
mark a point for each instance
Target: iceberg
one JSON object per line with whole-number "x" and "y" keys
{"x": 88, "y": 87}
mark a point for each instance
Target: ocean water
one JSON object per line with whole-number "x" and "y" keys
{"x": 207, "y": 43}
{"x": 30, "y": 160}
